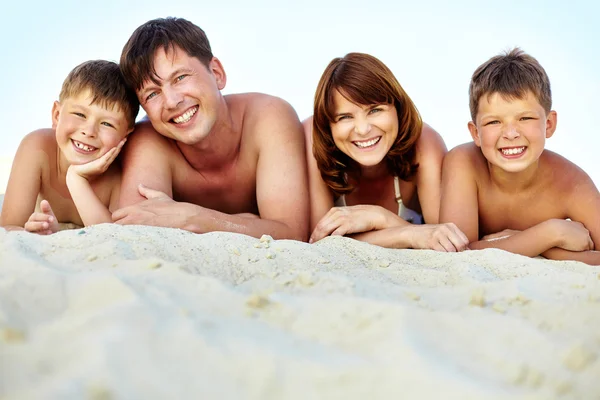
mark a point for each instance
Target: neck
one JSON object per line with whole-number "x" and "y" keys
{"x": 220, "y": 147}
{"x": 375, "y": 172}
{"x": 514, "y": 181}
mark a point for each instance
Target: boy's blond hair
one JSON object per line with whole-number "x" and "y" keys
{"x": 106, "y": 84}
{"x": 511, "y": 74}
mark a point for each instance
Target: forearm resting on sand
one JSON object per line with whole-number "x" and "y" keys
{"x": 440, "y": 237}
{"x": 544, "y": 236}
{"x": 590, "y": 257}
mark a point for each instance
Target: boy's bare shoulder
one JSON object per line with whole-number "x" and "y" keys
{"x": 564, "y": 174}
{"x": 40, "y": 138}
{"x": 466, "y": 157}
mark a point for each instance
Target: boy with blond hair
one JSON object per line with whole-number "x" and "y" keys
{"x": 70, "y": 166}
{"x": 504, "y": 190}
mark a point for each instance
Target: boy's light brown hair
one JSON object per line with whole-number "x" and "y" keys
{"x": 511, "y": 74}
{"x": 107, "y": 87}
{"x": 137, "y": 57}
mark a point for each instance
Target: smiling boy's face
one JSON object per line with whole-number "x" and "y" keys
{"x": 85, "y": 131}
{"x": 512, "y": 132}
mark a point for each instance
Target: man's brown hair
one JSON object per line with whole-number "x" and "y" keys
{"x": 106, "y": 85}
{"x": 362, "y": 79}
{"x": 137, "y": 57}
{"x": 511, "y": 74}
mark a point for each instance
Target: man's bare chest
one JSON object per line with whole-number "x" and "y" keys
{"x": 231, "y": 190}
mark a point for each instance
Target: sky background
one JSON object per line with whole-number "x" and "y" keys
{"x": 281, "y": 48}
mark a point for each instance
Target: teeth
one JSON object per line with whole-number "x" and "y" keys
{"x": 186, "y": 116}
{"x": 82, "y": 146}
{"x": 513, "y": 151}
{"x": 368, "y": 143}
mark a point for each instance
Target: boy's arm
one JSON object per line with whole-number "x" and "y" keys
{"x": 430, "y": 154}
{"x": 25, "y": 181}
{"x": 459, "y": 199}
{"x": 91, "y": 210}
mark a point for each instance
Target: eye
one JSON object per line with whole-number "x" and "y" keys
{"x": 526, "y": 118}
{"x": 78, "y": 114}
{"x": 494, "y": 122}
{"x": 342, "y": 117}
{"x": 107, "y": 124}
{"x": 150, "y": 96}
{"x": 180, "y": 78}
{"x": 375, "y": 110}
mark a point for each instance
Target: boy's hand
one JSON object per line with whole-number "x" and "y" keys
{"x": 42, "y": 223}
{"x": 572, "y": 235}
{"x": 98, "y": 166}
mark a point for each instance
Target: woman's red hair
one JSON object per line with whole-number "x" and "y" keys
{"x": 364, "y": 80}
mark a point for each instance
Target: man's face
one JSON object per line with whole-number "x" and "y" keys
{"x": 185, "y": 103}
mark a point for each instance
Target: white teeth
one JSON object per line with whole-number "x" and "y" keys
{"x": 83, "y": 147}
{"x": 186, "y": 116}
{"x": 368, "y": 143}
{"x": 513, "y": 151}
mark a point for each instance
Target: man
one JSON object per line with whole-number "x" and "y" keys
{"x": 231, "y": 163}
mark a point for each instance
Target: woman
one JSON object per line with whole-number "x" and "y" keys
{"x": 374, "y": 167}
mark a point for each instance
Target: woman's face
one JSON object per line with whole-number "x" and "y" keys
{"x": 364, "y": 133}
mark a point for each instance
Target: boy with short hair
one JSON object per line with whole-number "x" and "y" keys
{"x": 504, "y": 190}
{"x": 70, "y": 165}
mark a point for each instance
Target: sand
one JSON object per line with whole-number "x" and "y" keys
{"x": 139, "y": 312}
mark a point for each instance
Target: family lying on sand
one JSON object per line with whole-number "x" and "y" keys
{"x": 364, "y": 165}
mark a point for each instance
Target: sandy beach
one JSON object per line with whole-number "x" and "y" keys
{"x": 139, "y": 312}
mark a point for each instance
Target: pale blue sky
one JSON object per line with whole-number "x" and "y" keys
{"x": 280, "y": 48}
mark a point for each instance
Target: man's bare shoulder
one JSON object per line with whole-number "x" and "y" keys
{"x": 260, "y": 112}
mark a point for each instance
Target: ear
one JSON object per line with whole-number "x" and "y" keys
{"x": 55, "y": 114}
{"x": 218, "y": 71}
{"x": 551, "y": 120}
{"x": 474, "y": 133}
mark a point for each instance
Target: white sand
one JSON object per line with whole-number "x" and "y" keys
{"x": 142, "y": 313}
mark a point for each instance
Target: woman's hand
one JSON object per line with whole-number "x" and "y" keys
{"x": 340, "y": 221}
{"x": 440, "y": 237}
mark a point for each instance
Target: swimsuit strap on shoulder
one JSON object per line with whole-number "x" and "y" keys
{"x": 397, "y": 190}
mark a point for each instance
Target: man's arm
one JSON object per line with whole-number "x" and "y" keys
{"x": 145, "y": 160}
{"x": 430, "y": 154}
{"x": 25, "y": 181}
{"x": 321, "y": 197}
{"x": 281, "y": 174}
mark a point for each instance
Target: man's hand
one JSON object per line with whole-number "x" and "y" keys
{"x": 340, "y": 221}
{"x": 157, "y": 210}
{"x": 42, "y": 223}
{"x": 98, "y": 166}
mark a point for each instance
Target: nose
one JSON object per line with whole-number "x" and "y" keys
{"x": 90, "y": 128}
{"x": 510, "y": 132}
{"x": 172, "y": 98}
{"x": 362, "y": 126}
